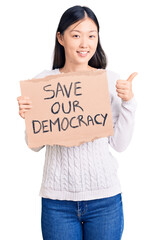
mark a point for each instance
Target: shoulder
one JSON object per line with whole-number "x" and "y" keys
{"x": 47, "y": 73}
{"x": 112, "y": 76}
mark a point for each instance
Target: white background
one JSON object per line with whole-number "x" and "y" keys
{"x": 27, "y": 41}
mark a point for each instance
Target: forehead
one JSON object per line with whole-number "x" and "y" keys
{"x": 84, "y": 24}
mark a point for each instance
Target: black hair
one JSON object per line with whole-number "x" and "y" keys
{"x": 69, "y": 17}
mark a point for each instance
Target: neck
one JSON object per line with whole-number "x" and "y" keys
{"x": 75, "y": 68}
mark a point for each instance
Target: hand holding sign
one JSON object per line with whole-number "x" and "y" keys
{"x": 124, "y": 87}
{"x": 24, "y": 105}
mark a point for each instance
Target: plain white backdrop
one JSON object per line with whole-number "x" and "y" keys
{"x": 27, "y": 40}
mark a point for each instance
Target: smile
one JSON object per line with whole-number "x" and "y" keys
{"x": 82, "y": 53}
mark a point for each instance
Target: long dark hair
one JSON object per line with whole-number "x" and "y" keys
{"x": 69, "y": 17}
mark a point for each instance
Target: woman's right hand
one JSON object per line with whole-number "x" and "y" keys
{"x": 25, "y": 104}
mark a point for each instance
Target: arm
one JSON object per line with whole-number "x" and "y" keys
{"x": 123, "y": 126}
{"x": 42, "y": 74}
{"x": 123, "y": 114}
{"x": 33, "y": 149}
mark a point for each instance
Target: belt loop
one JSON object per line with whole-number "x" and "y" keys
{"x": 78, "y": 209}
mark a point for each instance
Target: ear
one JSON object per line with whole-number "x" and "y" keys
{"x": 60, "y": 38}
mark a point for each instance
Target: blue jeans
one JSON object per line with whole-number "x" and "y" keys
{"x": 99, "y": 219}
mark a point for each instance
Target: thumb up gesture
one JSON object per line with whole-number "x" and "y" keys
{"x": 124, "y": 87}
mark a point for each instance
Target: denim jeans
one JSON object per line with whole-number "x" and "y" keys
{"x": 99, "y": 219}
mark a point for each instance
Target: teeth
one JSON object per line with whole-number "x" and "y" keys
{"x": 83, "y": 52}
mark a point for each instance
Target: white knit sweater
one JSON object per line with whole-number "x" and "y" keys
{"x": 89, "y": 171}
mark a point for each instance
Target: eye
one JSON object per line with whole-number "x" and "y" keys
{"x": 76, "y": 36}
{"x": 92, "y": 36}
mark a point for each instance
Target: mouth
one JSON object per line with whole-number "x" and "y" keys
{"x": 82, "y": 53}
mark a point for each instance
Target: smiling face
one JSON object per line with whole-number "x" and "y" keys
{"x": 80, "y": 42}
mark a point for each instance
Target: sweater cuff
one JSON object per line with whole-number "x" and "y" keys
{"x": 131, "y": 104}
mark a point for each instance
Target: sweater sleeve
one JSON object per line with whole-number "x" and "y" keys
{"x": 123, "y": 114}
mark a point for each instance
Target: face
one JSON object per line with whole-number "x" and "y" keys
{"x": 79, "y": 41}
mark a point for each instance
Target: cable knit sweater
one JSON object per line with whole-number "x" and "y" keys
{"x": 89, "y": 171}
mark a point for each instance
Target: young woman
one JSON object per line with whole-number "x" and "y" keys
{"x": 81, "y": 193}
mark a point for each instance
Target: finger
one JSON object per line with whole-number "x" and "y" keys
{"x": 22, "y": 98}
{"x": 22, "y": 113}
{"x": 23, "y": 110}
{"x": 24, "y": 102}
{"x": 120, "y": 86}
{"x": 121, "y": 81}
{"x": 22, "y": 107}
{"x": 122, "y": 91}
{"x": 131, "y": 77}
{"x": 120, "y": 95}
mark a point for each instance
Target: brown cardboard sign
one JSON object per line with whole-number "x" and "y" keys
{"x": 68, "y": 109}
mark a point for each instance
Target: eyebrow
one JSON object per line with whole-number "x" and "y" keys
{"x": 80, "y": 31}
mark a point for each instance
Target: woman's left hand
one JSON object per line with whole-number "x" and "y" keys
{"x": 124, "y": 88}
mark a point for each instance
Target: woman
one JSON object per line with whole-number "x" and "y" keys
{"x": 81, "y": 194}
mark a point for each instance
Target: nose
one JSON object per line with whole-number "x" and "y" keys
{"x": 83, "y": 42}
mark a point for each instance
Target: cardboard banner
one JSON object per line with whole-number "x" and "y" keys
{"x": 68, "y": 109}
